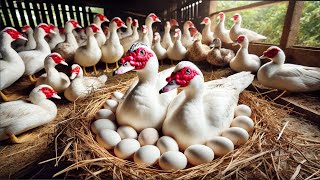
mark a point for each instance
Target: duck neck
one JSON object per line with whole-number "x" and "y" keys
{"x": 43, "y": 103}
{"x": 92, "y": 42}
{"x": 129, "y": 28}
{"x": 244, "y": 48}
{"x": 7, "y": 52}
{"x": 98, "y": 23}
{"x": 167, "y": 30}
{"x": 31, "y": 39}
{"x": 186, "y": 31}
{"x": 52, "y": 73}
{"x": 42, "y": 44}
{"x": 149, "y": 74}
{"x": 194, "y": 91}
{"x": 135, "y": 31}
{"x": 71, "y": 39}
{"x": 206, "y": 29}
{"x": 114, "y": 38}
{"x": 220, "y": 24}
{"x": 279, "y": 59}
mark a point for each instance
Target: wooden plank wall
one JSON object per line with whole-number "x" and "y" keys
{"x": 35, "y": 12}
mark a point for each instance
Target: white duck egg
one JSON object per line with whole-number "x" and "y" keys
{"x": 167, "y": 143}
{"x": 173, "y": 160}
{"x": 237, "y": 135}
{"x": 108, "y": 138}
{"x": 127, "y": 132}
{"x": 126, "y": 148}
{"x": 148, "y": 136}
{"x": 243, "y": 122}
{"x": 99, "y": 124}
{"x": 147, "y": 155}
{"x": 116, "y": 96}
{"x": 242, "y": 110}
{"x": 105, "y": 114}
{"x": 220, "y": 145}
{"x": 199, "y": 154}
{"x": 111, "y": 104}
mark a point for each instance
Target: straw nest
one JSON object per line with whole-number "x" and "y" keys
{"x": 274, "y": 150}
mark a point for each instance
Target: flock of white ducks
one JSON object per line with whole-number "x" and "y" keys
{"x": 201, "y": 113}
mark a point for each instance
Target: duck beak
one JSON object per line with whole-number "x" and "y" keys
{"x": 202, "y": 22}
{"x": 64, "y": 63}
{"x": 123, "y": 69}
{"x": 73, "y": 75}
{"x": 124, "y": 26}
{"x": 170, "y": 86}
{"x": 56, "y": 96}
{"x": 52, "y": 32}
{"x": 106, "y": 19}
{"x": 158, "y": 20}
{"x": 22, "y": 37}
{"x": 78, "y": 26}
{"x": 263, "y": 57}
{"x": 235, "y": 44}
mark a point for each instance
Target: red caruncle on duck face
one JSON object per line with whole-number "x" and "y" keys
{"x": 45, "y": 27}
{"x": 137, "y": 58}
{"x": 154, "y": 17}
{"x": 240, "y": 39}
{"x": 75, "y": 70}
{"x": 271, "y": 52}
{"x": 183, "y": 76}
{"x": 48, "y": 92}
{"x": 74, "y": 23}
{"x": 94, "y": 28}
{"x": 56, "y": 58}
{"x": 25, "y": 28}
{"x": 101, "y": 17}
{"x": 118, "y": 21}
{"x": 13, "y": 33}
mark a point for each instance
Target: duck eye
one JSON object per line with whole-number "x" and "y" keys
{"x": 188, "y": 71}
{"x": 142, "y": 52}
{"x": 171, "y": 82}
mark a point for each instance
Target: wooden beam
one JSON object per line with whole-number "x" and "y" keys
{"x": 84, "y": 15}
{"x": 2, "y": 25}
{"x": 36, "y": 13}
{"x": 291, "y": 24}
{"x": 90, "y": 16}
{"x": 64, "y": 13}
{"x": 6, "y": 12}
{"x": 71, "y": 11}
{"x": 78, "y": 15}
{"x": 57, "y": 12}
{"x": 13, "y": 14}
{"x": 21, "y": 12}
{"x": 249, "y": 6}
{"x": 43, "y": 13}
{"x": 28, "y": 9}
{"x": 50, "y": 13}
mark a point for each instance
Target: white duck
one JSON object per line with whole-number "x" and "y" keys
{"x": 20, "y": 116}
{"x": 207, "y": 34}
{"x": 145, "y": 37}
{"x": 142, "y": 106}
{"x": 68, "y": 48}
{"x": 112, "y": 51}
{"x": 243, "y": 61}
{"x": 31, "y": 43}
{"x": 82, "y": 86}
{"x": 158, "y": 49}
{"x": 186, "y": 36}
{"x": 61, "y": 32}
{"x": 100, "y": 37}
{"x": 129, "y": 30}
{"x": 236, "y": 30}
{"x": 166, "y": 39}
{"x": 129, "y": 40}
{"x": 203, "y": 109}
{"x": 34, "y": 59}
{"x": 89, "y": 54}
{"x": 177, "y": 51}
{"x": 59, "y": 81}
{"x": 80, "y": 36}
{"x": 11, "y": 64}
{"x": 285, "y": 76}
{"x": 55, "y": 38}
{"x": 151, "y": 18}
{"x": 220, "y": 31}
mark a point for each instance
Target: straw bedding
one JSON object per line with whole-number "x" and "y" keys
{"x": 280, "y": 147}
{"x": 274, "y": 150}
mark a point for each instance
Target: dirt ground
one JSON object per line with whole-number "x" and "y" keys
{"x": 22, "y": 160}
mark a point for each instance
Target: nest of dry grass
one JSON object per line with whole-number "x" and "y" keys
{"x": 273, "y": 151}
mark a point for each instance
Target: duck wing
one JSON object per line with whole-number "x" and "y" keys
{"x": 304, "y": 74}
{"x": 18, "y": 111}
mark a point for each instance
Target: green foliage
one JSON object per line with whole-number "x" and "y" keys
{"x": 309, "y": 34}
{"x": 266, "y": 20}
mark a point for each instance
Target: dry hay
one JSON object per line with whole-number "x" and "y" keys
{"x": 274, "y": 151}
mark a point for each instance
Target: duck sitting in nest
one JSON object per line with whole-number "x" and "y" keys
{"x": 197, "y": 51}
{"x": 219, "y": 56}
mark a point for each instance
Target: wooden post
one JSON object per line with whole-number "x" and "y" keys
{"x": 13, "y": 14}
{"x": 212, "y": 9}
{"x": 64, "y": 13}
{"x": 22, "y": 17}
{"x": 84, "y": 15}
{"x": 36, "y": 13}
{"x": 28, "y": 9}
{"x": 78, "y": 15}
{"x": 49, "y": 8}
{"x": 71, "y": 11}
{"x": 43, "y": 13}
{"x": 291, "y": 24}
{"x": 5, "y": 12}
{"x": 57, "y": 12}
{"x": 2, "y": 25}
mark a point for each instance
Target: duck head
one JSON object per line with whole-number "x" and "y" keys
{"x": 12, "y": 34}
{"x": 242, "y": 40}
{"x": 236, "y": 18}
{"x": 26, "y": 29}
{"x": 221, "y": 16}
{"x": 129, "y": 21}
{"x": 184, "y": 75}
{"x": 100, "y": 18}
{"x": 177, "y": 34}
{"x": 216, "y": 43}
{"x": 152, "y": 18}
{"x": 137, "y": 58}
{"x": 117, "y": 23}
{"x": 206, "y": 21}
{"x": 42, "y": 92}
{"x": 173, "y": 22}
{"x": 187, "y": 25}
{"x": 193, "y": 31}
{"x": 44, "y": 29}
{"x": 135, "y": 23}
{"x": 197, "y": 36}
{"x": 76, "y": 71}
{"x": 71, "y": 25}
{"x": 275, "y": 54}
{"x": 54, "y": 59}
{"x": 92, "y": 29}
